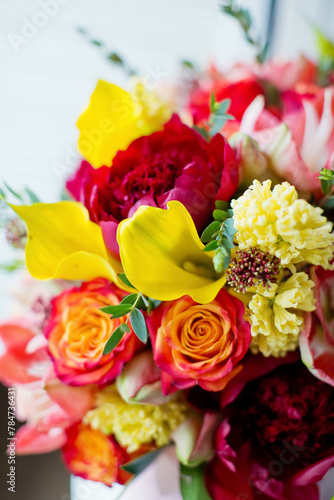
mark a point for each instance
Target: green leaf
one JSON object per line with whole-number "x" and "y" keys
{"x": 115, "y": 338}
{"x": 325, "y": 186}
{"x": 14, "y": 193}
{"x": 227, "y": 243}
{"x": 32, "y": 196}
{"x": 229, "y": 226}
{"x": 97, "y": 43}
{"x": 115, "y": 58}
{"x": 139, "y": 325}
{"x": 211, "y": 246}
{"x": 230, "y": 212}
{"x": 130, "y": 299}
{"x": 153, "y": 304}
{"x": 220, "y": 215}
{"x": 208, "y": 233}
{"x": 324, "y": 44}
{"x": 125, "y": 280}
{"x": 221, "y": 205}
{"x": 137, "y": 465}
{"x": 329, "y": 203}
{"x": 12, "y": 266}
{"x": 119, "y": 310}
{"x": 188, "y": 64}
{"x": 2, "y": 194}
{"x": 201, "y": 131}
{"x": 192, "y": 483}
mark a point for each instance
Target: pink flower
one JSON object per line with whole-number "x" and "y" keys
{"x": 282, "y": 432}
{"x": 317, "y": 338}
{"x": 47, "y": 405}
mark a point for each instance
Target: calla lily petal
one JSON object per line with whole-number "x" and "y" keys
{"x": 115, "y": 118}
{"x": 107, "y": 125}
{"x": 64, "y": 243}
{"x": 163, "y": 256}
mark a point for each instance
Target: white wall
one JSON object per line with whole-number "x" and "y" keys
{"x": 46, "y": 80}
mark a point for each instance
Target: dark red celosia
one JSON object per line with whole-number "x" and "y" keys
{"x": 282, "y": 435}
{"x": 252, "y": 267}
{"x": 176, "y": 163}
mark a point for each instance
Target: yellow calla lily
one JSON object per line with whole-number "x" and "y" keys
{"x": 163, "y": 256}
{"x": 114, "y": 118}
{"x": 64, "y": 243}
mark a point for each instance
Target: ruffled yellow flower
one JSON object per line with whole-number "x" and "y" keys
{"x": 115, "y": 118}
{"x": 135, "y": 424}
{"x": 276, "y": 315}
{"x": 278, "y": 222}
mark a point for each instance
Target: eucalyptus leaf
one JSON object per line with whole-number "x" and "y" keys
{"x": 138, "y": 324}
{"x": 211, "y": 246}
{"x": 209, "y": 231}
{"x": 120, "y": 309}
{"x": 137, "y": 465}
{"x": 221, "y": 205}
{"x": 14, "y": 193}
{"x": 130, "y": 299}
{"x": 32, "y": 196}
{"x": 229, "y": 226}
{"x": 115, "y": 338}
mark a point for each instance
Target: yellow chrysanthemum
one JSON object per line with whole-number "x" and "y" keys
{"x": 276, "y": 315}
{"x": 278, "y": 222}
{"x": 135, "y": 424}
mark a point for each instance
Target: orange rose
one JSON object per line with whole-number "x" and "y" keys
{"x": 78, "y": 330}
{"x": 199, "y": 344}
{"x": 92, "y": 455}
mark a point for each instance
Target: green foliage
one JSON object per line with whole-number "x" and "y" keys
{"x": 243, "y": 17}
{"x": 192, "y": 483}
{"x": 219, "y": 115}
{"x": 131, "y": 305}
{"x": 219, "y": 235}
{"x": 139, "y": 325}
{"x": 326, "y": 55}
{"x": 327, "y": 180}
{"x": 137, "y": 465}
{"x": 115, "y": 338}
{"x": 125, "y": 280}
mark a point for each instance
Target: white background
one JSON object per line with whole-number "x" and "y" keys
{"x": 46, "y": 81}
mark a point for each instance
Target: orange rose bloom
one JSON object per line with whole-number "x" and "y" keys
{"x": 199, "y": 344}
{"x": 78, "y": 330}
{"x": 90, "y": 454}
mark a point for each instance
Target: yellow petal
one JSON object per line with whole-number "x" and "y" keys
{"x": 64, "y": 243}
{"x": 107, "y": 125}
{"x": 163, "y": 256}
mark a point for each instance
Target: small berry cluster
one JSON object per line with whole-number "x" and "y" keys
{"x": 252, "y": 267}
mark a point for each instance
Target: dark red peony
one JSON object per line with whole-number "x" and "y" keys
{"x": 174, "y": 164}
{"x": 281, "y": 442}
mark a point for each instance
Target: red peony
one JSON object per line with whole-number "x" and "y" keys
{"x": 283, "y": 439}
{"x": 173, "y": 164}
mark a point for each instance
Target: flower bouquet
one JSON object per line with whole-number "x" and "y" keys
{"x": 191, "y": 302}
